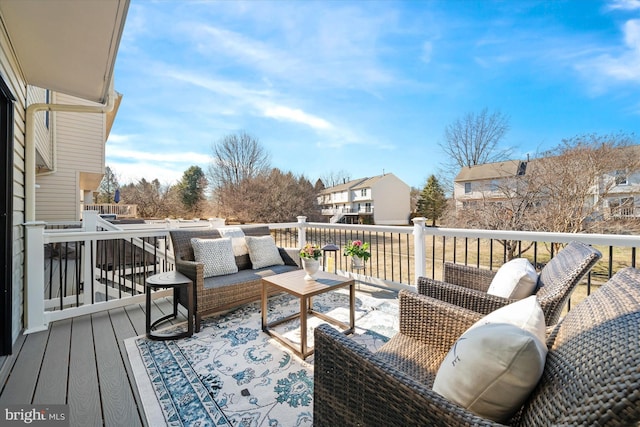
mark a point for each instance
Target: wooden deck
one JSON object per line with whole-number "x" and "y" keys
{"x": 81, "y": 362}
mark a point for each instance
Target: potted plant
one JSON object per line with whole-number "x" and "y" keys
{"x": 310, "y": 255}
{"x": 358, "y": 251}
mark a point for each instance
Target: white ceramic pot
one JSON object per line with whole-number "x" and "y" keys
{"x": 311, "y": 267}
{"x": 357, "y": 262}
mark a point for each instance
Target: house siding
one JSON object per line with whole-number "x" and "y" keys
{"x": 16, "y": 84}
{"x": 42, "y": 133}
{"x": 396, "y": 196}
{"x": 79, "y": 141}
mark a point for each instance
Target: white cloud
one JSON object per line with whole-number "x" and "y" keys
{"x": 298, "y": 116}
{"x": 624, "y": 67}
{"x": 624, "y": 5}
{"x": 175, "y": 157}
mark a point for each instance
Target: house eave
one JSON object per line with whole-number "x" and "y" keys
{"x": 67, "y": 46}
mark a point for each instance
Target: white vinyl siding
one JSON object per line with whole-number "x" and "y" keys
{"x": 79, "y": 142}
{"x": 42, "y": 133}
{"x": 8, "y": 67}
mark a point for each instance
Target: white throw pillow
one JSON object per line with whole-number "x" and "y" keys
{"x": 216, "y": 255}
{"x": 497, "y": 362}
{"x": 516, "y": 279}
{"x": 263, "y": 252}
{"x": 525, "y": 314}
{"x": 237, "y": 239}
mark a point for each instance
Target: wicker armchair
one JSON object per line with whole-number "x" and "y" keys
{"x": 591, "y": 375}
{"x": 467, "y": 286}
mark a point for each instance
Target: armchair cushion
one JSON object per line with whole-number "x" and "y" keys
{"x": 263, "y": 252}
{"x": 493, "y": 367}
{"x": 515, "y": 279}
{"x": 216, "y": 255}
{"x": 526, "y": 314}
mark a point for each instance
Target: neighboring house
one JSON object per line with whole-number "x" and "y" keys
{"x": 623, "y": 199}
{"x": 381, "y": 200}
{"x": 68, "y": 178}
{"x": 492, "y": 181}
{"x": 64, "y": 46}
{"x": 484, "y": 182}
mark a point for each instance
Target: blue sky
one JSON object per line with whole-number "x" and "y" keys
{"x": 365, "y": 86}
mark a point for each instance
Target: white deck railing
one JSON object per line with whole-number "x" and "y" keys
{"x": 78, "y": 271}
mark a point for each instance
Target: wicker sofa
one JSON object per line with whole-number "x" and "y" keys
{"x": 218, "y": 293}
{"x": 591, "y": 375}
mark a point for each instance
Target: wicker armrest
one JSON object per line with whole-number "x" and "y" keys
{"x": 189, "y": 269}
{"x": 432, "y": 321}
{"x": 471, "y": 299}
{"x": 354, "y": 387}
{"x": 467, "y": 276}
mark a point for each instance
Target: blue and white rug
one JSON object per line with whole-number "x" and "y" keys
{"x": 233, "y": 374}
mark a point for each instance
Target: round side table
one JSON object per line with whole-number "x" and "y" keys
{"x": 175, "y": 280}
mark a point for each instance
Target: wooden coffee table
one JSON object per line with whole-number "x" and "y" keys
{"x": 294, "y": 283}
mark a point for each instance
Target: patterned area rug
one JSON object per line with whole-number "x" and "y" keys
{"x": 233, "y": 374}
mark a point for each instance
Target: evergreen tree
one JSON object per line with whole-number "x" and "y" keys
{"x": 108, "y": 186}
{"x": 433, "y": 201}
{"x": 192, "y": 188}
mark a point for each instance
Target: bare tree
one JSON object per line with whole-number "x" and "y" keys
{"x": 576, "y": 179}
{"x": 470, "y": 140}
{"x": 474, "y": 138}
{"x": 565, "y": 189}
{"x": 154, "y": 200}
{"x": 333, "y": 178}
{"x": 237, "y": 157}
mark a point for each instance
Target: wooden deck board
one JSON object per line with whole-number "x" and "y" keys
{"x": 84, "y": 392}
{"x": 52, "y": 384}
{"x": 24, "y": 375}
{"x": 118, "y": 405}
{"x": 124, "y": 329}
{"x": 82, "y": 362}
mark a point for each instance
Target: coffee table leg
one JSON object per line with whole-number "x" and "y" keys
{"x": 264, "y": 307}
{"x": 304, "y": 303}
{"x": 352, "y": 307}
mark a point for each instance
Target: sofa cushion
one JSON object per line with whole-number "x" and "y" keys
{"x": 493, "y": 367}
{"x": 216, "y": 255}
{"x": 516, "y": 279}
{"x": 263, "y": 251}
{"x": 237, "y": 240}
{"x": 243, "y": 276}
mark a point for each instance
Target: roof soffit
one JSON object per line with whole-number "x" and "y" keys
{"x": 68, "y": 46}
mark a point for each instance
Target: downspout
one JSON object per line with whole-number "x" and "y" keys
{"x": 30, "y": 144}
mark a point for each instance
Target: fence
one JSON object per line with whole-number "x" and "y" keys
{"x": 75, "y": 271}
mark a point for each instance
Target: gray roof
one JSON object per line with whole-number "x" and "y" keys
{"x": 488, "y": 171}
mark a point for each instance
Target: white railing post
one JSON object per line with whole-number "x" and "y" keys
{"x": 419, "y": 247}
{"x": 89, "y": 223}
{"x": 34, "y": 277}
{"x": 302, "y": 232}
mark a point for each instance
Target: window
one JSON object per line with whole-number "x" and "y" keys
{"x": 363, "y": 192}
{"x": 467, "y": 187}
{"x": 621, "y": 177}
{"x": 495, "y": 185}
